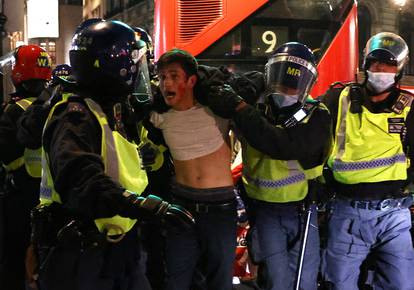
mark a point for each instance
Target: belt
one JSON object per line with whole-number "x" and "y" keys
{"x": 381, "y": 205}
{"x": 208, "y": 207}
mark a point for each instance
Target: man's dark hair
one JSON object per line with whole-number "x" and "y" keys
{"x": 182, "y": 57}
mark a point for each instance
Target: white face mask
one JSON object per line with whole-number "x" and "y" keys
{"x": 380, "y": 81}
{"x": 283, "y": 100}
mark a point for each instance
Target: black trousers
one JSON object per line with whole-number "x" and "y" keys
{"x": 112, "y": 266}
{"x": 15, "y": 222}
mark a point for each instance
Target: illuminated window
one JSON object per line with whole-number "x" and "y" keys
{"x": 50, "y": 47}
{"x": 96, "y": 13}
{"x": 16, "y": 39}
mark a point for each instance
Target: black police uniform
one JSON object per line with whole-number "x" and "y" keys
{"x": 72, "y": 140}
{"x": 21, "y": 195}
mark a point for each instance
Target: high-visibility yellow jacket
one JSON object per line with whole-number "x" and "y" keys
{"x": 121, "y": 162}
{"x": 272, "y": 180}
{"x": 31, "y": 159}
{"x": 368, "y": 146}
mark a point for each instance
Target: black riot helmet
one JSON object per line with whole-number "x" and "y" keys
{"x": 386, "y": 47}
{"x": 86, "y": 23}
{"x": 106, "y": 58}
{"x": 61, "y": 71}
{"x": 290, "y": 75}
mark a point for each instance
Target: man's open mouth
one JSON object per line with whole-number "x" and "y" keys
{"x": 169, "y": 95}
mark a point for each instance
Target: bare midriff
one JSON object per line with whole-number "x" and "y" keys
{"x": 209, "y": 171}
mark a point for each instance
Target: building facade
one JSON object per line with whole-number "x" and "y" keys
{"x": 133, "y": 12}
{"x": 396, "y": 16}
{"x": 16, "y": 31}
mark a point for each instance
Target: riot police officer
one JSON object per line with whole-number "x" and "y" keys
{"x": 284, "y": 148}
{"x": 30, "y": 73}
{"x": 86, "y": 226}
{"x": 370, "y": 172}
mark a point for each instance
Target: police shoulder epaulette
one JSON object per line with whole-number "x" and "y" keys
{"x": 353, "y": 84}
{"x": 311, "y": 105}
{"x": 404, "y": 99}
{"x": 312, "y": 101}
{"x": 408, "y": 94}
{"x": 337, "y": 85}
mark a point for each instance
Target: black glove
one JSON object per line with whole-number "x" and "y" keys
{"x": 223, "y": 101}
{"x": 153, "y": 206}
{"x": 318, "y": 193}
{"x": 148, "y": 155}
{"x": 151, "y": 155}
{"x": 208, "y": 77}
{"x": 249, "y": 85}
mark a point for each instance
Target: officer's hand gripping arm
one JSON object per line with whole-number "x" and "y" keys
{"x": 153, "y": 206}
{"x": 223, "y": 101}
{"x": 151, "y": 155}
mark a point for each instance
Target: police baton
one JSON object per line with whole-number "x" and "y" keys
{"x": 311, "y": 206}
{"x": 2, "y": 230}
{"x": 2, "y": 220}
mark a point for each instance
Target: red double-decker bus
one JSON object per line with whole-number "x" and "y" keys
{"x": 240, "y": 34}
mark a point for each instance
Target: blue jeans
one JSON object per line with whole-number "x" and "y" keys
{"x": 210, "y": 245}
{"x": 353, "y": 233}
{"x": 279, "y": 231}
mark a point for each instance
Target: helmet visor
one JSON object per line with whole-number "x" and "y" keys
{"x": 142, "y": 85}
{"x": 6, "y": 63}
{"x": 290, "y": 75}
{"x": 388, "y": 48}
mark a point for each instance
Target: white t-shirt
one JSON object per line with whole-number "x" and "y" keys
{"x": 192, "y": 133}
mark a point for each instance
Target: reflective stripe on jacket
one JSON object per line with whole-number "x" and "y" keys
{"x": 31, "y": 159}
